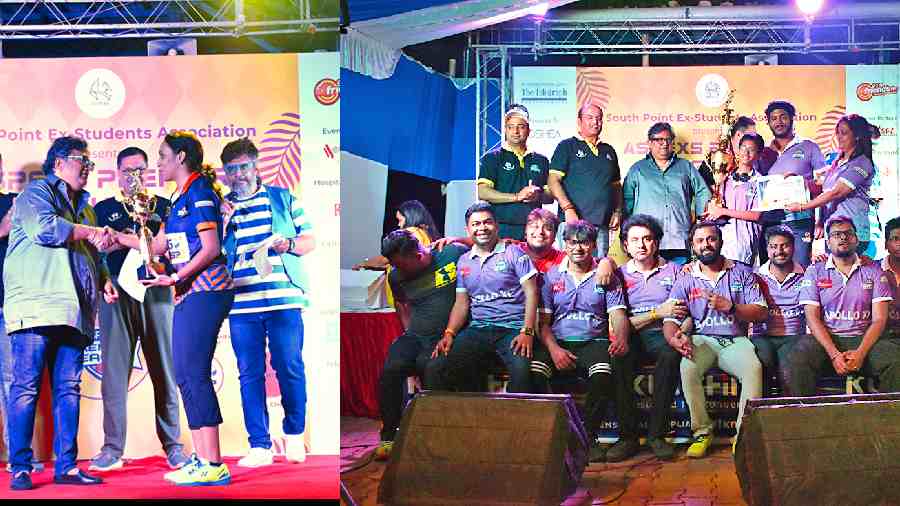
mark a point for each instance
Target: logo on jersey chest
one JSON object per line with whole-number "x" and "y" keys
{"x": 508, "y": 166}
{"x": 580, "y": 154}
{"x": 182, "y": 212}
{"x": 824, "y": 283}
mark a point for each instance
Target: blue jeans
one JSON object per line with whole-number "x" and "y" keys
{"x": 61, "y": 350}
{"x": 6, "y": 377}
{"x": 472, "y": 354}
{"x": 284, "y": 329}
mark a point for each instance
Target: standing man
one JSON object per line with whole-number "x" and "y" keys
{"x": 668, "y": 187}
{"x": 648, "y": 280}
{"x": 576, "y": 316}
{"x": 52, "y": 286}
{"x": 424, "y": 286}
{"x": 124, "y": 320}
{"x": 781, "y": 278}
{"x": 497, "y": 286}
{"x": 584, "y": 178}
{"x": 512, "y": 178}
{"x": 795, "y": 157}
{"x": 722, "y": 296}
{"x": 847, "y": 306}
{"x": 269, "y": 296}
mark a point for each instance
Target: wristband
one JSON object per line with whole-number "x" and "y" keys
{"x": 568, "y": 207}
{"x": 448, "y": 331}
{"x": 528, "y": 331}
{"x": 291, "y": 245}
{"x": 653, "y": 314}
{"x": 836, "y": 355}
{"x": 175, "y": 277}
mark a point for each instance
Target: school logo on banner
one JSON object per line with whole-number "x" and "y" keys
{"x": 100, "y": 93}
{"x": 712, "y": 90}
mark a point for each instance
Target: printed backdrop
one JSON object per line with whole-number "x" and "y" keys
{"x": 287, "y": 104}
{"x": 691, "y": 99}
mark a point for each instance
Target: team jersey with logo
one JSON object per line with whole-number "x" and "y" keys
{"x": 646, "y": 291}
{"x": 786, "y": 316}
{"x": 494, "y": 285}
{"x": 579, "y": 308}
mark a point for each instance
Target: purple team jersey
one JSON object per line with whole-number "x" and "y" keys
{"x": 786, "y": 316}
{"x": 740, "y": 237}
{"x": 494, "y": 285}
{"x": 736, "y": 283}
{"x": 800, "y": 158}
{"x": 858, "y": 174}
{"x": 893, "y": 326}
{"x": 579, "y": 309}
{"x": 646, "y": 291}
{"x": 846, "y": 302}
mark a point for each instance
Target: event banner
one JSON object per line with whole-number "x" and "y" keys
{"x": 691, "y": 100}
{"x": 287, "y": 104}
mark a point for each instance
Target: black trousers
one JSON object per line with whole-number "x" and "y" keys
{"x": 665, "y": 379}
{"x": 407, "y": 356}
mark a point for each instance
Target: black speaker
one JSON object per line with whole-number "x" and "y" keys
{"x": 840, "y": 449}
{"x": 486, "y": 449}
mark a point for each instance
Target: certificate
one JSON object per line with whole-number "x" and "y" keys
{"x": 777, "y": 191}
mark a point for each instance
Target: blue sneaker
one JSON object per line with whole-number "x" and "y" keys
{"x": 176, "y": 458}
{"x": 105, "y": 461}
{"x": 21, "y": 481}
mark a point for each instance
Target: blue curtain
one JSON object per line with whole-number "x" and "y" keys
{"x": 361, "y": 10}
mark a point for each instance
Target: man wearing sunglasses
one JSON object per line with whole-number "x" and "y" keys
{"x": 847, "y": 306}
{"x": 271, "y": 289}
{"x": 124, "y": 320}
{"x": 666, "y": 187}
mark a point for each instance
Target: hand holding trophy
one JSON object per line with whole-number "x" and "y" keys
{"x": 141, "y": 206}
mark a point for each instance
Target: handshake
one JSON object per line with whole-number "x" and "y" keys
{"x": 104, "y": 239}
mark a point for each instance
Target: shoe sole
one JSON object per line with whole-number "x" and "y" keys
{"x": 175, "y": 468}
{"x": 223, "y": 481}
{"x": 117, "y": 465}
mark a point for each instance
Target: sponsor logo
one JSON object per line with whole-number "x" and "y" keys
{"x": 667, "y": 281}
{"x": 868, "y": 284}
{"x": 100, "y": 93}
{"x": 544, "y": 92}
{"x": 807, "y": 237}
{"x": 580, "y": 154}
{"x": 182, "y": 212}
{"x": 559, "y": 287}
{"x": 508, "y": 166}
{"x": 115, "y": 216}
{"x": 695, "y": 293}
{"x": 798, "y": 155}
{"x": 465, "y": 271}
{"x": 865, "y": 91}
{"x": 327, "y": 91}
{"x": 535, "y": 168}
{"x": 712, "y": 90}
{"x": 599, "y": 289}
{"x": 500, "y": 266}
{"x": 824, "y": 283}
{"x": 329, "y": 153}
{"x": 737, "y": 286}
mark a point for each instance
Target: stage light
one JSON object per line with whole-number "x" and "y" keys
{"x": 539, "y": 10}
{"x": 809, "y": 7}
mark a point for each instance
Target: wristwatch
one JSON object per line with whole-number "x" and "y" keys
{"x": 291, "y": 245}
{"x": 528, "y": 331}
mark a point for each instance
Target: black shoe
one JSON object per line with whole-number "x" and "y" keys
{"x": 662, "y": 448}
{"x": 622, "y": 450}
{"x": 80, "y": 478}
{"x": 597, "y": 452}
{"x": 21, "y": 481}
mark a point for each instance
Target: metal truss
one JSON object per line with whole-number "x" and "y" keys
{"x": 490, "y": 98}
{"x": 692, "y": 36}
{"x": 41, "y": 19}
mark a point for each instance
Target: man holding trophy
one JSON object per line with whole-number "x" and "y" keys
{"x": 130, "y": 314}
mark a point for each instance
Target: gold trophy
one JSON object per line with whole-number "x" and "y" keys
{"x": 720, "y": 161}
{"x": 141, "y": 206}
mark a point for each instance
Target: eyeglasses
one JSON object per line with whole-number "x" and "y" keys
{"x": 842, "y": 234}
{"x": 82, "y": 159}
{"x": 662, "y": 140}
{"x": 573, "y": 243}
{"x": 234, "y": 168}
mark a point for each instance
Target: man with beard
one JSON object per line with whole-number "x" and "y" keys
{"x": 584, "y": 177}
{"x": 722, "y": 297}
{"x": 795, "y": 157}
{"x": 575, "y": 329}
{"x": 648, "y": 280}
{"x": 891, "y": 266}
{"x": 268, "y": 301}
{"x": 497, "y": 286}
{"x": 847, "y": 306}
{"x": 781, "y": 279}
{"x": 424, "y": 286}
{"x": 513, "y": 178}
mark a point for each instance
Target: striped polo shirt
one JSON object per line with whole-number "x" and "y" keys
{"x": 252, "y": 293}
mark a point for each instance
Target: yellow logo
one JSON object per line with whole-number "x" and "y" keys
{"x": 445, "y": 275}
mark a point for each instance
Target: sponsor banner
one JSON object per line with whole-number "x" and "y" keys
{"x": 117, "y": 102}
{"x": 549, "y": 95}
{"x": 872, "y": 93}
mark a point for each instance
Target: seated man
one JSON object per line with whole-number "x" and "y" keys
{"x": 722, "y": 297}
{"x": 891, "y": 266}
{"x": 575, "y": 327}
{"x": 780, "y": 278}
{"x": 424, "y": 287}
{"x": 648, "y": 280}
{"x": 846, "y": 307}
{"x": 497, "y": 285}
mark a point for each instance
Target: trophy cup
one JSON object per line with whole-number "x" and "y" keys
{"x": 720, "y": 162}
{"x": 141, "y": 206}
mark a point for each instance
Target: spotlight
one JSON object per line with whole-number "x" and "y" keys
{"x": 539, "y": 10}
{"x": 809, "y": 7}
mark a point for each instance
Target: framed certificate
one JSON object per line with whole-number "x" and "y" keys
{"x": 777, "y": 191}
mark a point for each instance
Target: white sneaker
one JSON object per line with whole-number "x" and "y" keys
{"x": 294, "y": 447}
{"x": 257, "y": 457}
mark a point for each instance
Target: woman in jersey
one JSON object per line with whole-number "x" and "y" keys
{"x": 191, "y": 239}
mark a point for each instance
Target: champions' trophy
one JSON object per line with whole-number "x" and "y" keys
{"x": 721, "y": 163}
{"x": 141, "y": 206}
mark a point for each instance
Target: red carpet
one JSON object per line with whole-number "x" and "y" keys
{"x": 317, "y": 478}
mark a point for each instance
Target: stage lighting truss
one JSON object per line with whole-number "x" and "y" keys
{"x": 493, "y": 48}
{"x": 41, "y": 19}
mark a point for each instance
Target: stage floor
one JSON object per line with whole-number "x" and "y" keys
{"x": 643, "y": 480}
{"x": 143, "y": 479}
